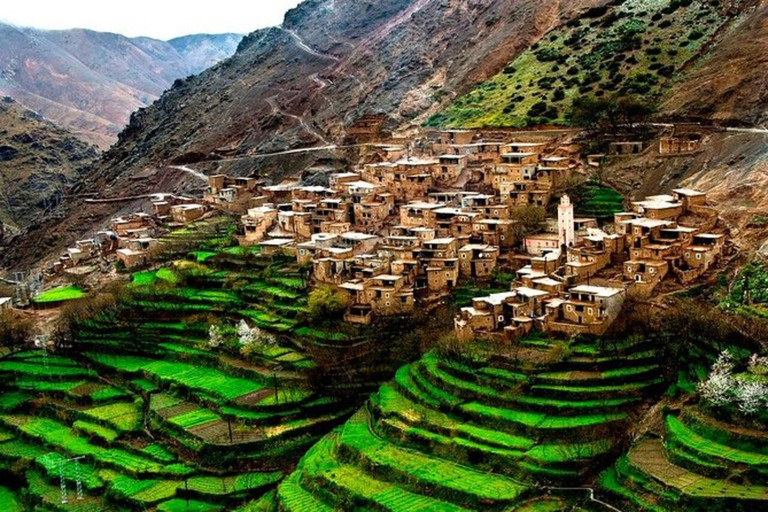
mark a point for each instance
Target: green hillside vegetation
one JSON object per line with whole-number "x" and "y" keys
{"x": 633, "y": 48}
{"x": 479, "y": 434}
{"x": 748, "y": 295}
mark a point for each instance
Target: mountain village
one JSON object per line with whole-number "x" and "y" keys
{"x": 420, "y": 216}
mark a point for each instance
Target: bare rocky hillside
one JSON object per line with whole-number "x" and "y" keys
{"x": 38, "y": 164}
{"x": 89, "y": 82}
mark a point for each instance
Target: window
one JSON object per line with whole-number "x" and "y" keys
{"x": 589, "y": 310}
{"x": 629, "y": 269}
{"x": 501, "y": 318}
{"x": 569, "y": 308}
{"x": 464, "y": 255}
{"x": 651, "y": 270}
{"x": 687, "y": 255}
{"x": 448, "y": 274}
{"x": 502, "y": 237}
{"x": 389, "y": 303}
{"x": 302, "y": 252}
{"x": 387, "y": 295}
{"x": 698, "y": 255}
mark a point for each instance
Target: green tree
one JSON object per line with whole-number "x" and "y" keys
{"x": 327, "y": 303}
{"x": 16, "y": 329}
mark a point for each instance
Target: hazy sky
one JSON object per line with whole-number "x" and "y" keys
{"x": 161, "y": 19}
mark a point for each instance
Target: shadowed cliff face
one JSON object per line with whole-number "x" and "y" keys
{"x": 89, "y": 82}
{"x": 38, "y": 163}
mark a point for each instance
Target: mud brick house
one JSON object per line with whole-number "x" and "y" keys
{"x": 449, "y": 168}
{"x": 137, "y": 221}
{"x": 625, "y": 148}
{"x": 541, "y": 243}
{"x": 439, "y": 260}
{"x": 186, "y": 213}
{"x": 677, "y": 145}
{"x": 501, "y": 233}
{"x": 135, "y": 252}
{"x": 513, "y": 168}
{"x": 447, "y": 139}
{"x": 691, "y": 199}
{"x": 292, "y": 224}
{"x": 477, "y": 260}
{"x": 382, "y": 295}
{"x": 455, "y": 222}
{"x": 659, "y": 207}
{"x": 372, "y": 211}
{"x": 257, "y": 223}
{"x": 224, "y": 189}
{"x": 584, "y": 310}
{"x": 339, "y": 180}
{"x": 420, "y": 214}
{"x": 277, "y": 246}
{"x": 345, "y": 245}
{"x": 508, "y": 314}
{"x": 329, "y": 213}
{"x": 699, "y": 256}
{"x": 411, "y": 179}
{"x": 525, "y": 147}
{"x": 592, "y": 253}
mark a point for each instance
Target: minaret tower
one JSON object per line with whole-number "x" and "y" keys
{"x": 565, "y": 227}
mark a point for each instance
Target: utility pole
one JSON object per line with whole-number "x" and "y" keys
{"x": 63, "y": 482}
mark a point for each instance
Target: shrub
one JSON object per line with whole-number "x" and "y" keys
{"x": 327, "y": 303}
{"x": 537, "y": 109}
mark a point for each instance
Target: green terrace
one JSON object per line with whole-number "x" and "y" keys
{"x": 599, "y": 201}
{"x": 190, "y": 455}
{"x": 161, "y": 417}
{"x": 477, "y": 434}
{"x": 61, "y": 294}
{"x": 701, "y": 463}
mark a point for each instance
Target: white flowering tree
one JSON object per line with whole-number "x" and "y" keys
{"x": 215, "y": 337}
{"x": 747, "y": 391}
{"x": 718, "y": 389}
{"x": 252, "y": 338}
{"x": 245, "y": 334}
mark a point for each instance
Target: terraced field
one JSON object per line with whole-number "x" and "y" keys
{"x": 460, "y": 435}
{"x": 700, "y": 464}
{"x": 147, "y": 415}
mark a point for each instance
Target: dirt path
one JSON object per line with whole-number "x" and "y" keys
{"x": 301, "y": 44}
{"x": 272, "y": 101}
{"x": 197, "y": 174}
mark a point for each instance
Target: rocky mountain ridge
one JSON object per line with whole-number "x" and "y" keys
{"x": 89, "y": 82}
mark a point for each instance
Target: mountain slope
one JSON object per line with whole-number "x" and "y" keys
{"x": 89, "y": 82}
{"x": 38, "y": 161}
{"x": 730, "y": 85}
{"x": 701, "y": 58}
